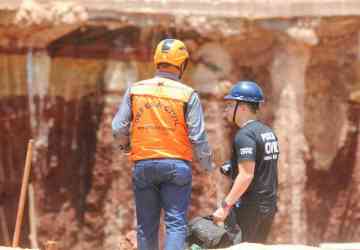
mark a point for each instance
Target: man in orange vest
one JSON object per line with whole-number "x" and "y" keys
{"x": 162, "y": 121}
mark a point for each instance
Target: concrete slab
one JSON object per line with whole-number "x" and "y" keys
{"x": 341, "y": 246}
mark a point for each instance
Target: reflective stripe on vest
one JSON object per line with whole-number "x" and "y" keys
{"x": 158, "y": 124}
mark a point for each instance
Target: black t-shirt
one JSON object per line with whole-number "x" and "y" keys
{"x": 257, "y": 142}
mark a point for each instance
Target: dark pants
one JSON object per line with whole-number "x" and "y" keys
{"x": 162, "y": 184}
{"x": 255, "y": 225}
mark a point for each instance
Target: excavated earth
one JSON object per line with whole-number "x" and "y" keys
{"x": 62, "y": 84}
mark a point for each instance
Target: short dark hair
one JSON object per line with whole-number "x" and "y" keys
{"x": 253, "y": 106}
{"x": 165, "y": 65}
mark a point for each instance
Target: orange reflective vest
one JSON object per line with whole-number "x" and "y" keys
{"x": 158, "y": 127}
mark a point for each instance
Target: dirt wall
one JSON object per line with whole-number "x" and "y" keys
{"x": 65, "y": 96}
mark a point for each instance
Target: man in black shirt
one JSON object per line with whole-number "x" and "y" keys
{"x": 253, "y": 194}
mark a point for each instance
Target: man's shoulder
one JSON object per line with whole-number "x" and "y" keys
{"x": 264, "y": 132}
{"x": 179, "y": 88}
{"x": 178, "y": 84}
{"x": 143, "y": 82}
{"x": 166, "y": 81}
{"x": 259, "y": 127}
{"x": 244, "y": 133}
{"x": 162, "y": 87}
{"x": 253, "y": 131}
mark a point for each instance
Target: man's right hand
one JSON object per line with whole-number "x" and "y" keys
{"x": 220, "y": 215}
{"x": 124, "y": 149}
{"x": 225, "y": 169}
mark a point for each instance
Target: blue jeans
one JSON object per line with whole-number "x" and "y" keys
{"x": 162, "y": 184}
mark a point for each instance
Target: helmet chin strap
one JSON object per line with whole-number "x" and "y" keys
{"x": 183, "y": 68}
{"x": 235, "y": 110}
{"x": 181, "y": 74}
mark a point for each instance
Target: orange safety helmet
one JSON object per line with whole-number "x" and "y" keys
{"x": 171, "y": 51}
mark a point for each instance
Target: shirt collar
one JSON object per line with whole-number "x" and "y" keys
{"x": 168, "y": 75}
{"x": 246, "y": 123}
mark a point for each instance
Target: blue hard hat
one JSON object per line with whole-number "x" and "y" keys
{"x": 246, "y": 91}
